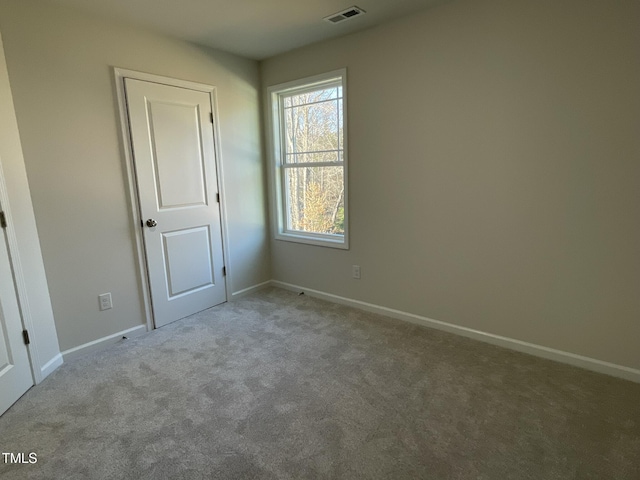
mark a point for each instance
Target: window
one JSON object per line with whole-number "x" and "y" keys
{"x": 309, "y": 160}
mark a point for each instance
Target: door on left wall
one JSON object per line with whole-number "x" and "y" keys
{"x": 15, "y": 369}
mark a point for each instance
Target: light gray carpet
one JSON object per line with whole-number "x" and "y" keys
{"x": 277, "y": 385}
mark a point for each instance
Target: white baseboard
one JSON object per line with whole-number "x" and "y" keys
{"x": 102, "y": 342}
{"x": 588, "y": 363}
{"x": 48, "y": 368}
{"x": 249, "y": 290}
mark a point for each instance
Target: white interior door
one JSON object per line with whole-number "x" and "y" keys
{"x": 15, "y": 370}
{"x": 174, "y": 156}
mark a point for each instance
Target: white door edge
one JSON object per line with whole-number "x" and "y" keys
{"x": 127, "y": 150}
{"x": 20, "y": 285}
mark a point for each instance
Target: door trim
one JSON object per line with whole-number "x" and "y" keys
{"x": 134, "y": 203}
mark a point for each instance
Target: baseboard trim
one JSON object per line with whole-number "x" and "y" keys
{"x": 49, "y": 367}
{"x": 587, "y": 363}
{"x": 249, "y": 290}
{"x": 102, "y": 342}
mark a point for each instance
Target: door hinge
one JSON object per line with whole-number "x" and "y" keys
{"x": 224, "y": 271}
{"x": 211, "y": 116}
{"x": 218, "y": 197}
{"x": 3, "y": 220}
{"x": 25, "y": 336}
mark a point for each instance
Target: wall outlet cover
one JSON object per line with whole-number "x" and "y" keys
{"x": 105, "y": 301}
{"x": 355, "y": 270}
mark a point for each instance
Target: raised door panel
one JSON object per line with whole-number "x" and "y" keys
{"x": 188, "y": 261}
{"x": 178, "y": 157}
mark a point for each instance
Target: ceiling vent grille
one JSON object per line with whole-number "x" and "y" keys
{"x": 345, "y": 15}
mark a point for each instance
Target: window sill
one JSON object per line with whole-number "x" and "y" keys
{"x": 341, "y": 243}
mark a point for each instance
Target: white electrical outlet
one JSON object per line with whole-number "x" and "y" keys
{"x": 355, "y": 271}
{"x": 105, "y": 301}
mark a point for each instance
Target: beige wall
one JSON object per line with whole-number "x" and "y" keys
{"x": 494, "y": 171}
{"x": 26, "y": 256}
{"x": 59, "y": 64}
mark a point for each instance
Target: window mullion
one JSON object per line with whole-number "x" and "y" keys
{"x": 338, "y": 150}
{"x": 312, "y": 164}
{"x": 310, "y": 103}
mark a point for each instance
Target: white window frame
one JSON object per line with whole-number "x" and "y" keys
{"x": 275, "y": 95}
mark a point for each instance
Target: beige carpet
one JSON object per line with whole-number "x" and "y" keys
{"x": 280, "y": 386}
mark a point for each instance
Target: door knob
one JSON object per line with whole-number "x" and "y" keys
{"x": 151, "y": 223}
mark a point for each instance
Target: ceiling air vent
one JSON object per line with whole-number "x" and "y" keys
{"x": 345, "y": 15}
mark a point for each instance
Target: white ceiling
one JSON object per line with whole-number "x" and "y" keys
{"x": 252, "y": 28}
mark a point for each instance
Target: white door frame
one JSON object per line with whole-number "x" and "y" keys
{"x": 127, "y": 149}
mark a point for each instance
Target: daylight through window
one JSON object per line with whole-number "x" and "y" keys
{"x": 310, "y": 160}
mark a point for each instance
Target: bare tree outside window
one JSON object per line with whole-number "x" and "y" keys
{"x": 313, "y": 134}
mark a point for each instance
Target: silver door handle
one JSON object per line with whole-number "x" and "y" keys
{"x": 151, "y": 223}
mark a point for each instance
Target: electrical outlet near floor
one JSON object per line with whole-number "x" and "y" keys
{"x": 105, "y": 301}
{"x": 355, "y": 271}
